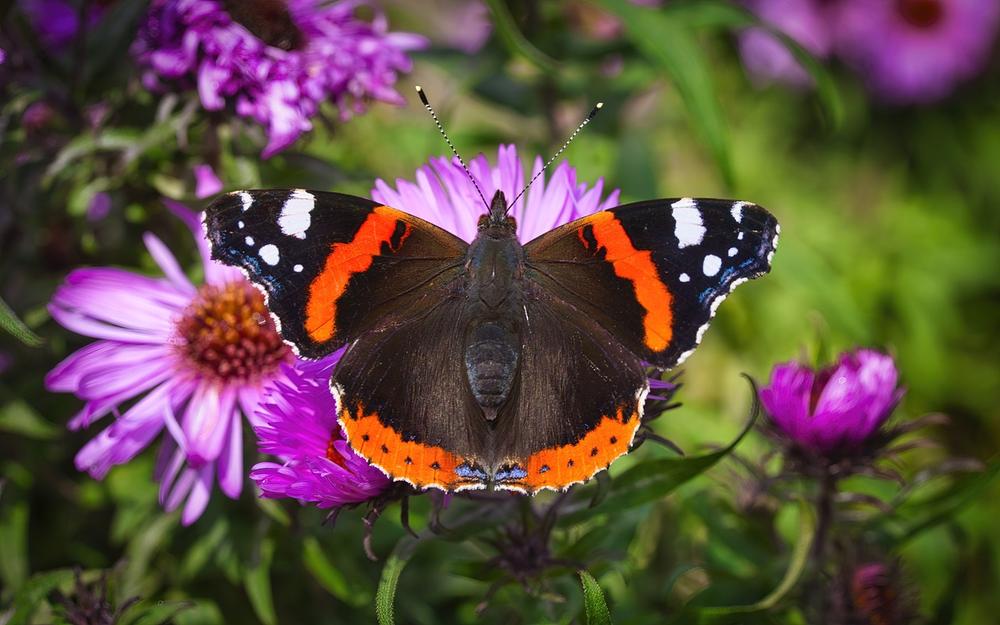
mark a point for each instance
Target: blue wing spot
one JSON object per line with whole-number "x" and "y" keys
{"x": 512, "y": 473}
{"x": 469, "y": 471}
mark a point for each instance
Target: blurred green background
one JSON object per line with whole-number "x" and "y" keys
{"x": 889, "y": 239}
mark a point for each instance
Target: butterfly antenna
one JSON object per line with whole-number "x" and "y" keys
{"x": 590, "y": 116}
{"x": 437, "y": 122}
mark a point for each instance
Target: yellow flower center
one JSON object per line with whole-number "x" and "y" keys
{"x": 228, "y": 335}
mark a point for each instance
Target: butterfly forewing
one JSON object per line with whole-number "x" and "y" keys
{"x": 333, "y": 266}
{"x": 652, "y": 273}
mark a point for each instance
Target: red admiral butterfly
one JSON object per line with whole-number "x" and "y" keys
{"x": 491, "y": 364}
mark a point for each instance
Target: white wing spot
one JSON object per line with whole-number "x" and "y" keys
{"x": 740, "y": 236}
{"x": 295, "y": 218}
{"x": 246, "y": 199}
{"x": 297, "y": 268}
{"x": 684, "y": 277}
{"x": 737, "y": 211}
{"x": 248, "y": 240}
{"x": 240, "y": 224}
{"x": 711, "y": 265}
{"x": 732, "y": 252}
{"x": 269, "y": 253}
{"x": 688, "y": 227}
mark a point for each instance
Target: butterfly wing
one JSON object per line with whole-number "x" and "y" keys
{"x": 653, "y": 273}
{"x": 405, "y": 403}
{"x": 332, "y": 266}
{"x": 577, "y": 405}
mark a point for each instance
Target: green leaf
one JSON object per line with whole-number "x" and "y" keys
{"x": 10, "y": 324}
{"x": 515, "y": 41}
{"x": 796, "y": 566}
{"x": 666, "y": 42}
{"x": 651, "y": 480}
{"x": 708, "y": 14}
{"x": 203, "y": 549}
{"x": 329, "y": 576}
{"x": 157, "y": 614}
{"x": 258, "y": 584}
{"x": 274, "y": 510}
{"x": 385, "y": 596}
{"x": 34, "y": 592}
{"x": 594, "y": 606}
{"x": 13, "y": 543}
{"x": 912, "y": 518}
{"x": 18, "y": 417}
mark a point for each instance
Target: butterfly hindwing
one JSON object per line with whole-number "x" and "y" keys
{"x": 333, "y": 266}
{"x": 578, "y": 403}
{"x": 652, "y": 273}
{"x": 405, "y": 404}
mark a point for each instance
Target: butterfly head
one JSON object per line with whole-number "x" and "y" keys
{"x": 497, "y": 223}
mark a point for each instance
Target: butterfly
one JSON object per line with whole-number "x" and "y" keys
{"x": 491, "y": 364}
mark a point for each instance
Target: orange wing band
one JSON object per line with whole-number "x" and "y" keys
{"x": 419, "y": 464}
{"x": 345, "y": 260}
{"x": 637, "y": 267}
{"x": 559, "y": 467}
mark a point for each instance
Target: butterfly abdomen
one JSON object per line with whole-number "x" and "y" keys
{"x": 492, "y": 352}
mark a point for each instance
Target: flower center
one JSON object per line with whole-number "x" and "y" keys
{"x": 921, "y": 13}
{"x": 228, "y": 335}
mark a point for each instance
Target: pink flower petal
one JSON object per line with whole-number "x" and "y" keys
{"x": 168, "y": 264}
{"x": 200, "y": 494}
{"x": 231, "y": 461}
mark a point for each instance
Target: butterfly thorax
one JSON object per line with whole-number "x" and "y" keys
{"x": 494, "y": 274}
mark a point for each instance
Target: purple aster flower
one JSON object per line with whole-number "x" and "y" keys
{"x": 443, "y": 195}
{"x": 187, "y": 358}
{"x": 57, "y": 22}
{"x": 766, "y": 58}
{"x": 298, "y": 424}
{"x": 833, "y": 412}
{"x": 916, "y": 50}
{"x": 275, "y": 63}
{"x": 206, "y": 183}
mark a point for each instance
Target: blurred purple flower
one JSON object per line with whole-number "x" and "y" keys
{"x": 193, "y": 358}
{"x": 37, "y": 116}
{"x": 464, "y": 25}
{"x": 57, "y": 22}
{"x": 5, "y": 362}
{"x": 298, "y": 423}
{"x": 206, "y": 183}
{"x": 877, "y": 596}
{"x": 912, "y": 51}
{"x": 836, "y": 410}
{"x": 276, "y": 67}
{"x": 444, "y": 195}
{"x": 766, "y": 58}
{"x": 99, "y": 207}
